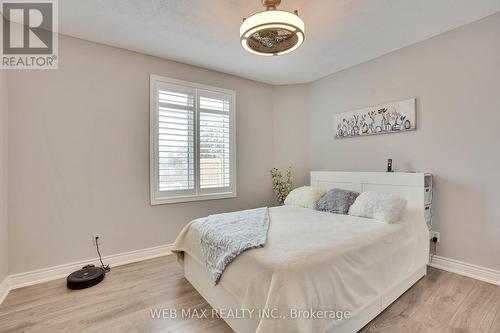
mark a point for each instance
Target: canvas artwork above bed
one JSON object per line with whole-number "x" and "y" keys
{"x": 380, "y": 119}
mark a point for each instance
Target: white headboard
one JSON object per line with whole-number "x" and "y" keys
{"x": 408, "y": 185}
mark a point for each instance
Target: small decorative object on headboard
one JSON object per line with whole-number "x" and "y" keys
{"x": 389, "y": 165}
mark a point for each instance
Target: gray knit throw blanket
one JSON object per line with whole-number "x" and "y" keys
{"x": 224, "y": 236}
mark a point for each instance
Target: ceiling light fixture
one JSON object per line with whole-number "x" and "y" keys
{"x": 272, "y": 32}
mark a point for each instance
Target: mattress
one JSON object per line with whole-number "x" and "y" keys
{"x": 316, "y": 261}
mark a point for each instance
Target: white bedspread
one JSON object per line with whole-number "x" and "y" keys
{"x": 318, "y": 260}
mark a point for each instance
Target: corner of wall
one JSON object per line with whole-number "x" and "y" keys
{"x": 4, "y": 239}
{"x": 289, "y": 108}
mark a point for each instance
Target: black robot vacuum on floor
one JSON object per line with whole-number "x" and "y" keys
{"x": 86, "y": 277}
{"x": 89, "y": 275}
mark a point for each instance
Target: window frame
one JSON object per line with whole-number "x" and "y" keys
{"x": 158, "y": 197}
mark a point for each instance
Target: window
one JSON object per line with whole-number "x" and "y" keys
{"x": 192, "y": 142}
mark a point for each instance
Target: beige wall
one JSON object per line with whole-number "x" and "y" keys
{"x": 3, "y": 176}
{"x": 455, "y": 78}
{"x": 79, "y": 147}
{"x": 290, "y": 131}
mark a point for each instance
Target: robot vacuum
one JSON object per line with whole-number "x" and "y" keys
{"x": 86, "y": 277}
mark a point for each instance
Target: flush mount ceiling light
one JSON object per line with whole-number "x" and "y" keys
{"x": 272, "y": 32}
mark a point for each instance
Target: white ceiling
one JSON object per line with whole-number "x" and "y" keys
{"x": 339, "y": 33}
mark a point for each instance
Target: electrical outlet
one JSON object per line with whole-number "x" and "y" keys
{"x": 96, "y": 239}
{"x": 436, "y": 234}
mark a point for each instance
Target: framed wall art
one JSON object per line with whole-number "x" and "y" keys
{"x": 393, "y": 117}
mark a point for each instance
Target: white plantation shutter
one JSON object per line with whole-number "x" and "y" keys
{"x": 176, "y": 112}
{"x": 192, "y": 142}
{"x": 215, "y": 140}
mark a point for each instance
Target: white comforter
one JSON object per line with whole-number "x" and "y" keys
{"x": 317, "y": 260}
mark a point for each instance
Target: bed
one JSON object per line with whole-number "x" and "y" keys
{"x": 319, "y": 272}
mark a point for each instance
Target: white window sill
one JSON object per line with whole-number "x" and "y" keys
{"x": 192, "y": 198}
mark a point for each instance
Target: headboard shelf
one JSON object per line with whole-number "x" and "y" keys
{"x": 388, "y": 178}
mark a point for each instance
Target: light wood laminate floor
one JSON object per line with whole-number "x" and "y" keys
{"x": 439, "y": 302}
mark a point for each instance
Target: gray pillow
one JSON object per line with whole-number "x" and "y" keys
{"x": 336, "y": 201}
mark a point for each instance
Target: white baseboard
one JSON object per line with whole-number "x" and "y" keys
{"x": 473, "y": 271}
{"x": 19, "y": 280}
{"x": 56, "y": 272}
{"x": 4, "y": 288}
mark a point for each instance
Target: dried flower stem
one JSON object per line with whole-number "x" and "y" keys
{"x": 281, "y": 185}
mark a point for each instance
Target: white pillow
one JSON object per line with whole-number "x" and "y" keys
{"x": 385, "y": 207}
{"x": 305, "y": 196}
